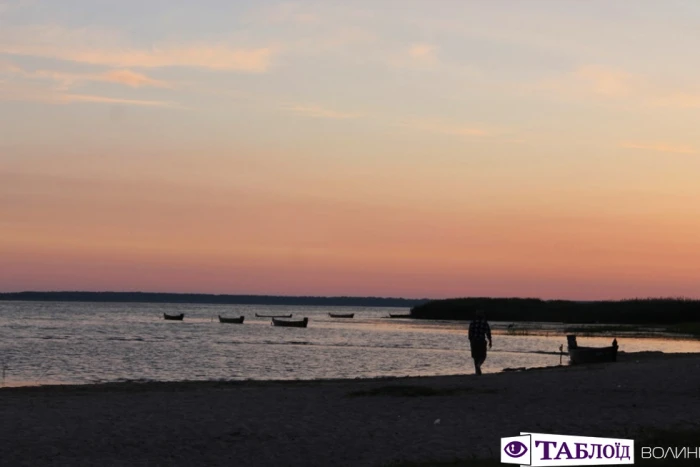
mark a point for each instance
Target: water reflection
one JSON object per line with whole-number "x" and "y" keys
{"x": 97, "y": 342}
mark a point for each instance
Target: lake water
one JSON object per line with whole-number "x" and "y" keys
{"x": 62, "y": 343}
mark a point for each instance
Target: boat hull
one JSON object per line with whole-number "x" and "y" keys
{"x": 273, "y": 316}
{"x": 238, "y": 320}
{"x": 341, "y": 315}
{"x": 290, "y": 324}
{"x": 173, "y": 317}
{"x": 582, "y": 355}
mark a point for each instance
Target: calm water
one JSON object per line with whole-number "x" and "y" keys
{"x": 47, "y": 342}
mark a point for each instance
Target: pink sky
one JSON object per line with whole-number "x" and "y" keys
{"x": 311, "y": 149}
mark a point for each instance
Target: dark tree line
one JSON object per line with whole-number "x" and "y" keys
{"x": 633, "y": 311}
{"x": 149, "y": 297}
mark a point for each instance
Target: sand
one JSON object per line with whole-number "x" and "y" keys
{"x": 321, "y": 424}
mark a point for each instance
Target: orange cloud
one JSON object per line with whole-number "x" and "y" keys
{"x": 319, "y": 112}
{"x": 606, "y": 82}
{"x": 28, "y": 92}
{"x": 68, "y": 98}
{"x": 596, "y": 81}
{"x": 422, "y": 51}
{"x": 133, "y": 79}
{"x": 104, "y": 48}
{"x": 678, "y": 100}
{"x": 217, "y": 57}
{"x": 417, "y": 56}
{"x": 593, "y": 81}
{"x": 660, "y": 147}
{"x": 125, "y": 77}
{"x": 445, "y": 128}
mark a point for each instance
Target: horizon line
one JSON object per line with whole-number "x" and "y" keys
{"x": 339, "y": 296}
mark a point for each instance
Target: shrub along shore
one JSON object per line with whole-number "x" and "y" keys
{"x": 650, "y": 311}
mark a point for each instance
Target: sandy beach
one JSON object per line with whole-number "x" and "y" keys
{"x": 341, "y": 422}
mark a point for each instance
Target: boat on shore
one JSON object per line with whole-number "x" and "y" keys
{"x": 581, "y": 355}
{"x": 257, "y": 315}
{"x": 398, "y": 315}
{"x": 238, "y": 320}
{"x": 173, "y": 317}
{"x": 290, "y": 324}
{"x": 341, "y": 315}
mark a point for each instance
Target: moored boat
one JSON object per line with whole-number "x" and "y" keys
{"x": 257, "y": 315}
{"x": 173, "y": 317}
{"x": 238, "y": 320}
{"x": 341, "y": 315}
{"x": 580, "y": 355}
{"x": 290, "y": 324}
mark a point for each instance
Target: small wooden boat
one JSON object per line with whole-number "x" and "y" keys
{"x": 290, "y": 324}
{"x": 238, "y": 320}
{"x": 341, "y": 315}
{"x": 173, "y": 317}
{"x": 580, "y": 355}
{"x": 397, "y": 315}
{"x": 273, "y": 316}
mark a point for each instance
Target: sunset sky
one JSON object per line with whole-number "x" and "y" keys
{"x": 394, "y": 148}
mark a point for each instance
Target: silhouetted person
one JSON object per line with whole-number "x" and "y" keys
{"x": 479, "y": 332}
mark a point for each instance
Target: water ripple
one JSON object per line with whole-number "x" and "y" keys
{"x": 42, "y": 342}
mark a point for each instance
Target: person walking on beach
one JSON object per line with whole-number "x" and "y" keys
{"x": 479, "y": 332}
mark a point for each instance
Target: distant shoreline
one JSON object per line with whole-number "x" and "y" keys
{"x": 210, "y": 299}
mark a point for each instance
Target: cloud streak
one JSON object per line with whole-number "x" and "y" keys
{"x": 443, "y": 128}
{"x": 315, "y": 111}
{"x": 70, "y": 98}
{"x": 122, "y": 77}
{"x": 659, "y": 147}
{"x": 416, "y": 56}
{"x": 615, "y": 85}
{"x": 29, "y": 92}
{"x": 103, "y": 48}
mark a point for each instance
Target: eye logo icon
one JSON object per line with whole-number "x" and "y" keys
{"x": 515, "y": 449}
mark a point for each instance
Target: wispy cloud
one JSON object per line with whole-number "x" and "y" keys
{"x": 31, "y": 92}
{"x": 609, "y": 84}
{"x": 659, "y": 147}
{"x": 69, "y": 80}
{"x": 443, "y": 127}
{"x": 55, "y": 86}
{"x": 106, "y": 48}
{"x": 594, "y": 81}
{"x": 69, "y": 98}
{"x": 9, "y": 68}
{"x": 680, "y": 100}
{"x": 131, "y": 78}
{"x": 416, "y": 56}
{"x": 316, "y": 111}
{"x": 422, "y": 51}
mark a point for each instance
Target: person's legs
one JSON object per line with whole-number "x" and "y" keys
{"x": 483, "y": 356}
{"x": 479, "y": 355}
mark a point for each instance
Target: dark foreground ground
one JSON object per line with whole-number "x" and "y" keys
{"x": 342, "y": 423}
